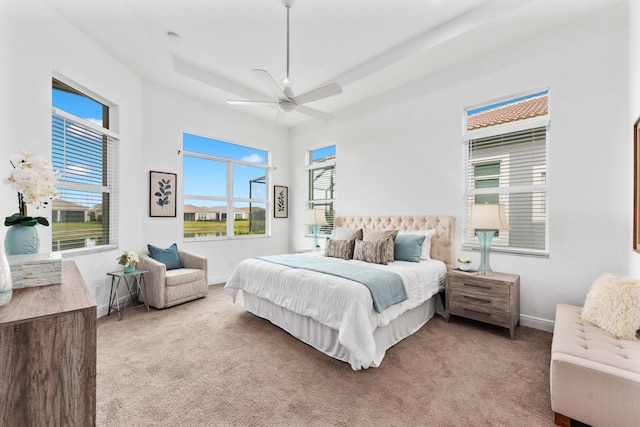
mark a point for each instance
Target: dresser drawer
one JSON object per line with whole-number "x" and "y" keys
{"x": 469, "y": 286}
{"x": 493, "y": 298}
{"x": 483, "y": 313}
{"x": 480, "y": 302}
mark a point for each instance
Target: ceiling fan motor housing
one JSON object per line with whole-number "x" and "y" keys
{"x": 287, "y": 106}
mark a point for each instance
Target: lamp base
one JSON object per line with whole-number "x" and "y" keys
{"x": 484, "y": 237}
{"x": 316, "y": 231}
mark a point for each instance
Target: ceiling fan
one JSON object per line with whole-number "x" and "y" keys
{"x": 286, "y": 100}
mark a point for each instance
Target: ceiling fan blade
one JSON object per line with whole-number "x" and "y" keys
{"x": 270, "y": 83}
{"x": 312, "y": 112}
{"x": 242, "y": 102}
{"x": 320, "y": 93}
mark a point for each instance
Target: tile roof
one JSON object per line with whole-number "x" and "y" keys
{"x": 525, "y": 109}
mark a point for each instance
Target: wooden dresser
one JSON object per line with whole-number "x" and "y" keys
{"x": 493, "y": 298}
{"x": 48, "y": 354}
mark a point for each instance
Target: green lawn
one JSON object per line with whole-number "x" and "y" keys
{"x": 84, "y": 230}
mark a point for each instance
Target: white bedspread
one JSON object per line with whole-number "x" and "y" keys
{"x": 338, "y": 303}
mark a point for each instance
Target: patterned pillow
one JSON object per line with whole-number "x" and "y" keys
{"x": 339, "y": 248}
{"x": 375, "y": 235}
{"x": 613, "y": 304}
{"x": 374, "y": 252}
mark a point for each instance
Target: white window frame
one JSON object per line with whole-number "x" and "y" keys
{"x": 470, "y": 242}
{"x": 310, "y": 167}
{"x": 112, "y": 168}
{"x": 229, "y": 198}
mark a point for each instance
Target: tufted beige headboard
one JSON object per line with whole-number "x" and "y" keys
{"x": 441, "y": 242}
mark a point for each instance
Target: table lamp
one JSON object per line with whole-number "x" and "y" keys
{"x": 486, "y": 219}
{"x": 316, "y": 219}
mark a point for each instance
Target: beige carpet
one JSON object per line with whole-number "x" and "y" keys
{"x": 208, "y": 363}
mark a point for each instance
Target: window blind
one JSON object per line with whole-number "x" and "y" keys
{"x": 511, "y": 169}
{"x": 86, "y": 213}
{"x": 322, "y": 194}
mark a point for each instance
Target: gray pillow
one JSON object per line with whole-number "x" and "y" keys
{"x": 339, "y": 248}
{"x": 374, "y": 252}
{"x": 375, "y": 235}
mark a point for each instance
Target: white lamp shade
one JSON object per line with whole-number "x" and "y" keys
{"x": 488, "y": 217}
{"x": 315, "y": 217}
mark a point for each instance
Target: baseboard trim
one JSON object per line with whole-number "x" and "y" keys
{"x": 214, "y": 280}
{"x": 537, "y": 323}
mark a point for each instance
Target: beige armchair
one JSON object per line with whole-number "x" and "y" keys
{"x": 165, "y": 288}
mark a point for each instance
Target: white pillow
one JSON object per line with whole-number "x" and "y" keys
{"x": 613, "y": 304}
{"x": 426, "y": 245}
{"x": 346, "y": 234}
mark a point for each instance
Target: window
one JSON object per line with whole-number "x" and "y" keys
{"x": 321, "y": 166}
{"x": 221, "y": 181}
{"x": 506, "y": 158}
{"x": 84, "y": 150}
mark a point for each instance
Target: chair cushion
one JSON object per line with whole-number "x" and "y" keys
{"x": 181, "y": 276}
{"x": 168, "y": 257}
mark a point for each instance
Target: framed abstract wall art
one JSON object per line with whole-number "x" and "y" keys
{"x": 280, "y": 201}
{"x": 162, "y": 192}
{"x": 636, "y": 186}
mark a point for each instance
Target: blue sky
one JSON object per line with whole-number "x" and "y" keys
{"x": 201, "y": 177}
{"x": 499, "y": 104}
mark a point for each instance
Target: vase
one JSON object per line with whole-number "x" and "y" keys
{"x": 22, "y": 239}
{"x": 465, "y": 266}
{"x": 130, "y": 269}
{"x": 6, "y": 285}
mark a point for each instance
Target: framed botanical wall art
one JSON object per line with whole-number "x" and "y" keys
{"x": 280, "y": 201}
{"x": 636, "y": 186}
{"x": 162, "y": 194}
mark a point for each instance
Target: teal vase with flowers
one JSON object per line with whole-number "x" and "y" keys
{"x": 34, "y": 180}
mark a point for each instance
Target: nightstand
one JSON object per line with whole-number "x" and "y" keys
{"x": 491, "y": 298}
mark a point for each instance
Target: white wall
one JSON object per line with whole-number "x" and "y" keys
{"x": 36, "y": 42}
{"x": 166, "y": 116}
{"x": 401, "y": 153}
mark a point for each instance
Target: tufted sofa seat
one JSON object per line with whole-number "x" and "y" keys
{"x": 595, "y": 377}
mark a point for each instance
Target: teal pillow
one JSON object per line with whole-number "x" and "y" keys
{"x": 168, "y": 257}
{"x": 408, "y": 247}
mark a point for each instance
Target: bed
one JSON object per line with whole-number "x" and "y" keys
{"x": 336, "y": 315}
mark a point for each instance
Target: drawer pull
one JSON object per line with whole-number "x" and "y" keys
{"x": 473, "y": 285}
{"x": 485, "y": 301}
{"x": 477, "y": 311}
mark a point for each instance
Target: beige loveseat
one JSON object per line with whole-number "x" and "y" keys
{"x": 165, "y": 288}
{"x": 595, "y": 377}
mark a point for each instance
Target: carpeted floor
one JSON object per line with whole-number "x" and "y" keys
{"x": 208, "y": 363}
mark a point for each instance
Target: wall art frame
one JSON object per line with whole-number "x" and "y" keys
{"x": 162, "y": 194}
{"x": 280, "y": 201}
{"x": 636, "y": 186}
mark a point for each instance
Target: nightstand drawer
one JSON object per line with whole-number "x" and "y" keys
{"x": 479, "y": 288}
{"x": 492, "y": 298}
{"x": 481, "y": 302}
{"x": 485, "y": 313}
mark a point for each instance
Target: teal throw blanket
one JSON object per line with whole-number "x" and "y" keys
{"x": 386, "y": 287}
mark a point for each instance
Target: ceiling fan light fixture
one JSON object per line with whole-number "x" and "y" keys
{"x": 286, "y": 81}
